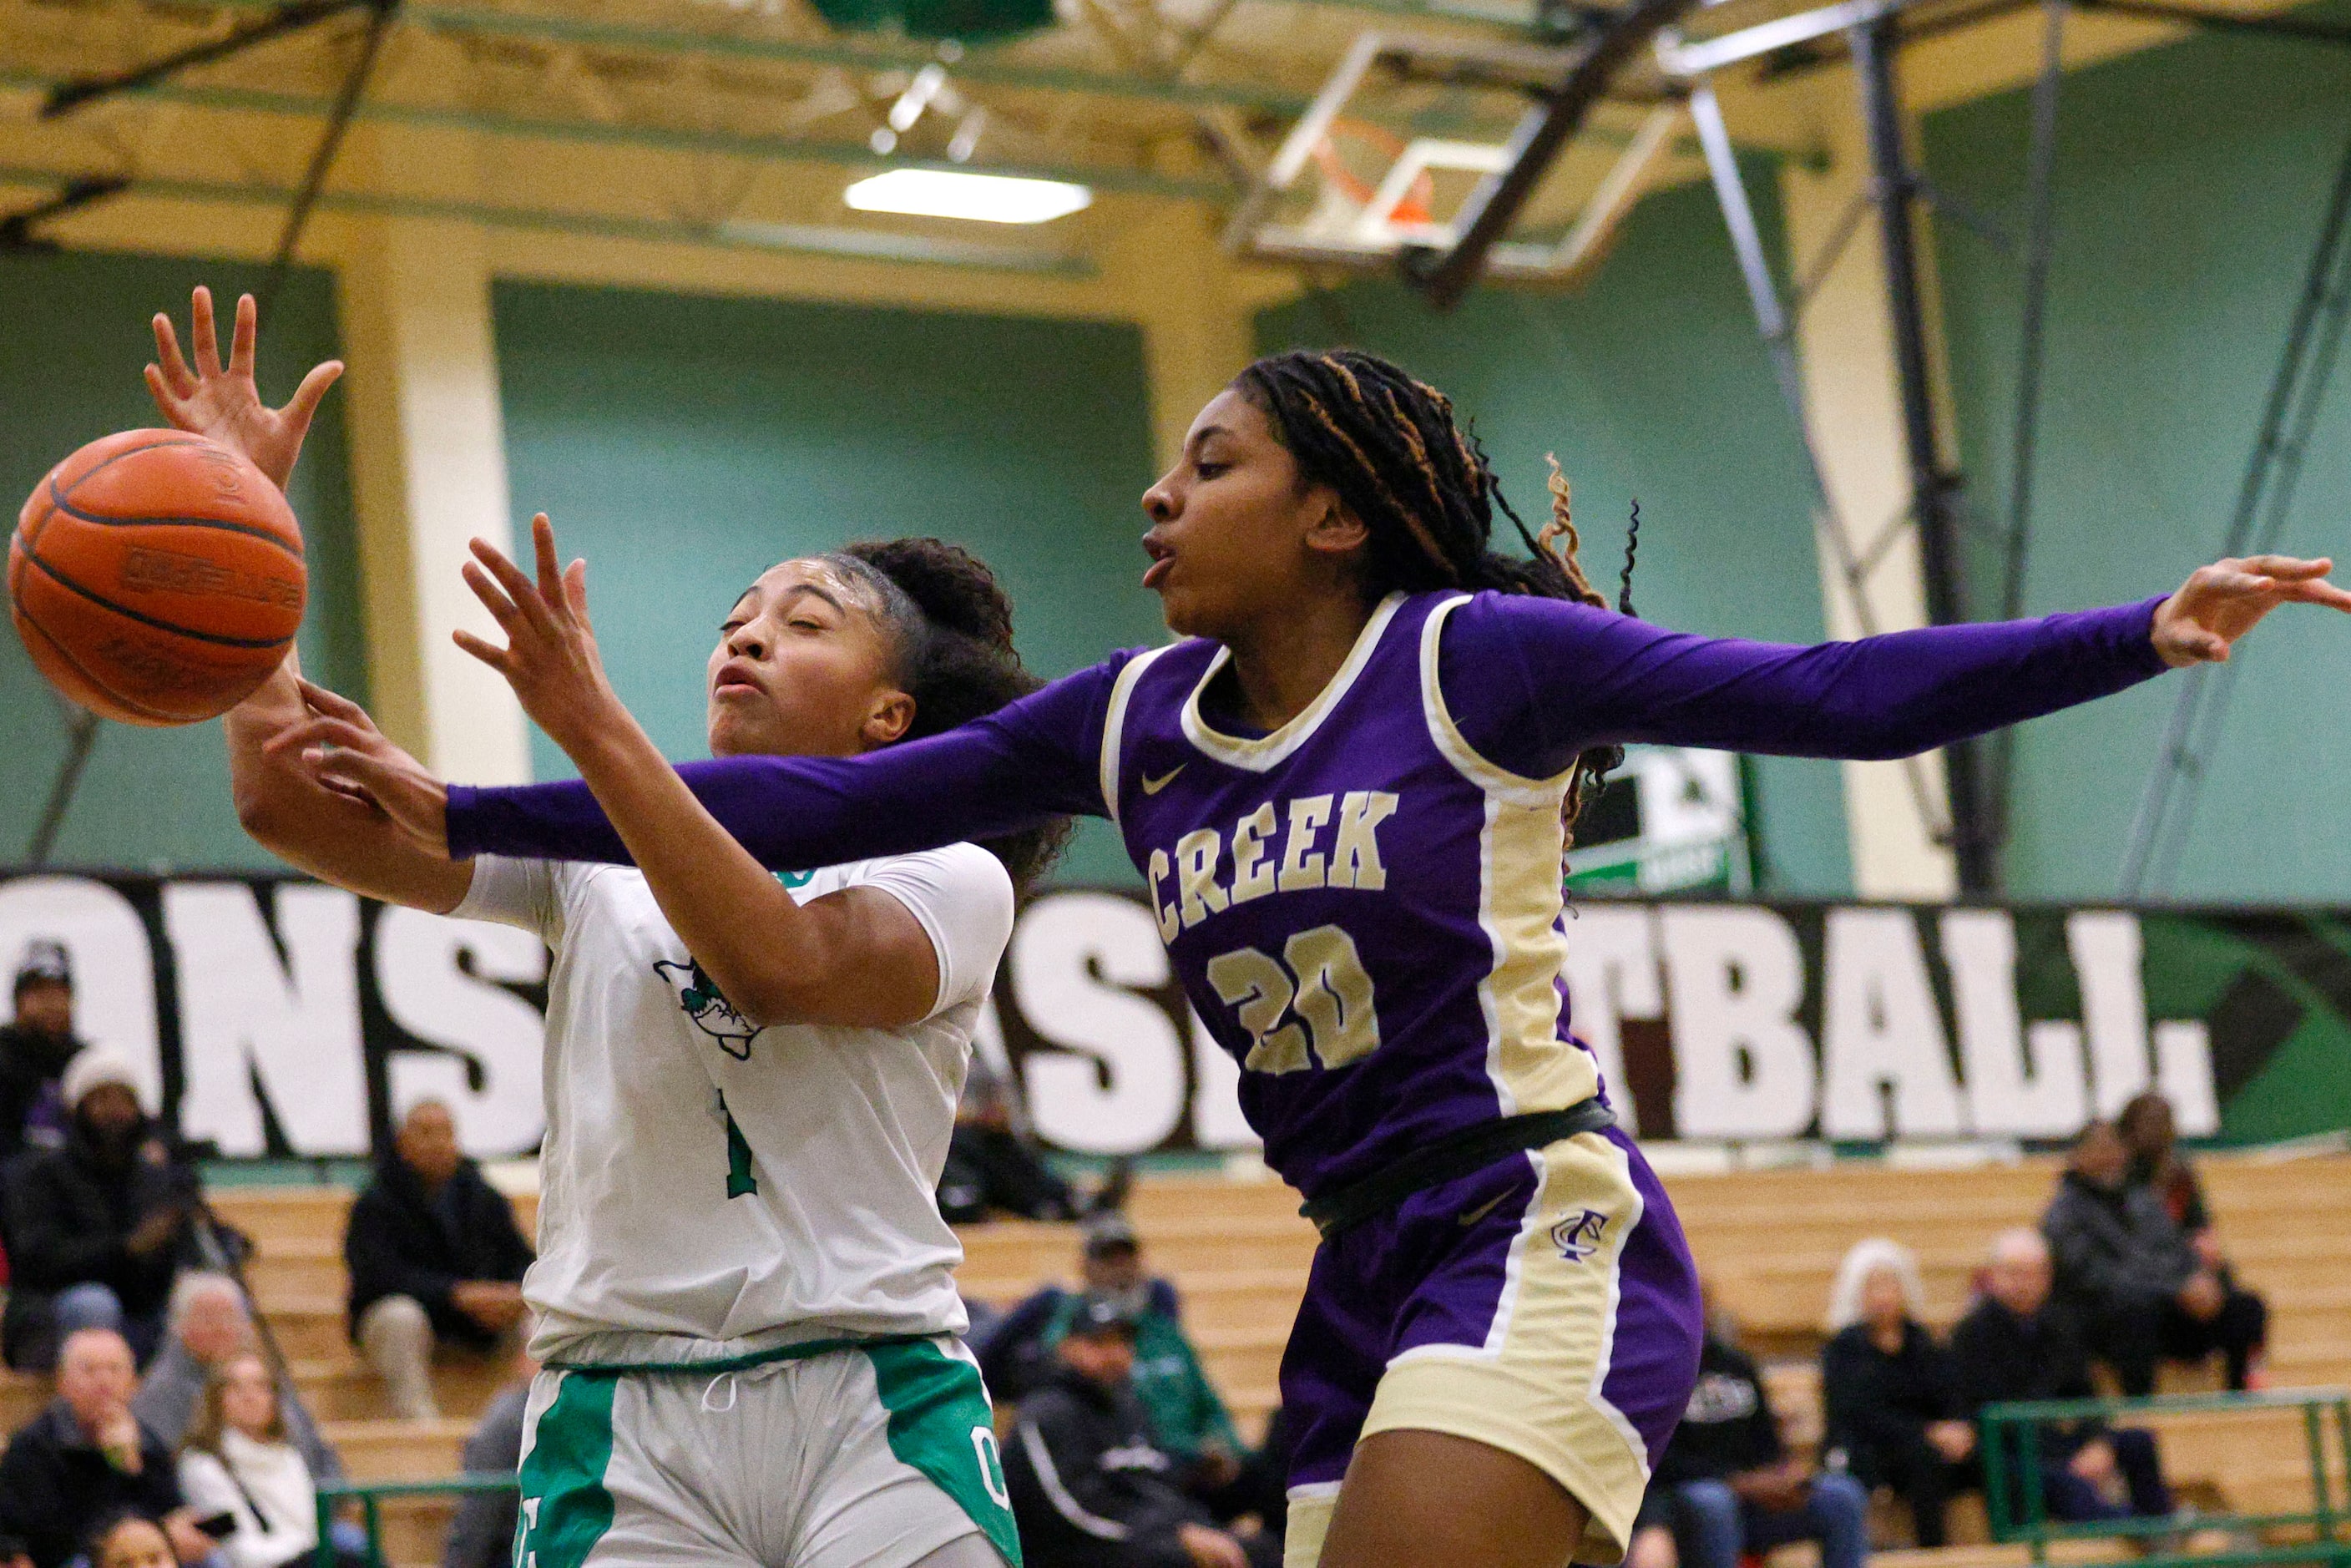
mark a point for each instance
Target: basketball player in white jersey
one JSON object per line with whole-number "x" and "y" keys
{"x": 744, "y": 1295}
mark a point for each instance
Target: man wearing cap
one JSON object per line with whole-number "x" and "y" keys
{"x": 97, "y": 1230}
{"x": 35, "y": 1047}
{"x": 1188, "y": 1421}
{"x": 1090, "y": 1488}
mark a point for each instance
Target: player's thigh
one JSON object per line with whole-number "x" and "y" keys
{"x": 911, "y": 1468}
{"x": 1415, "y": 1497}
{"x": 608, "y": 1476}
{"x": 1541, "y": 1370}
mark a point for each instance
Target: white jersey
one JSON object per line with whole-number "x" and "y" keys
{"x": 709, "y": 1189}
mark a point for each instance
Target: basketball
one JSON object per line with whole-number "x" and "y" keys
{"x": 156, "y": 577}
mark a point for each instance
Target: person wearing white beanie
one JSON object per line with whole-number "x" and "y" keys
{"x": 98, "y": 1229}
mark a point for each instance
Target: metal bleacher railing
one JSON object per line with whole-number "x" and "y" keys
{"x": 370, "y": 1496}
{"x": 2015, "y": 1486}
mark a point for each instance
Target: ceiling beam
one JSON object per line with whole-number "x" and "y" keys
{"x": 865, "y": 244}
{"x": 659, "y": 138}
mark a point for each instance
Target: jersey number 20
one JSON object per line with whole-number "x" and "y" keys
{"x": 1319, "y": 984}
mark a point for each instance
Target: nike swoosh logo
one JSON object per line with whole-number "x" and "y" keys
{"x": 1152, "y": 786}
{"x": 1481, "y": 1212}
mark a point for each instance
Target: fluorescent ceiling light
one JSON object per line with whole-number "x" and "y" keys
{"x": 983, "y": 198}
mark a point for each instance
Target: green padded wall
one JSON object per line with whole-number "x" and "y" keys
{"x": 1648, "y": 383}
{"x": 2191, "y": 183}
{"x": 69, "y": 372}
{"x": 683, "y": 445}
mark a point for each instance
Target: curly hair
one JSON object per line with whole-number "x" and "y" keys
{"x": 950, "y": 624}
{"x": 1392, "y": 451}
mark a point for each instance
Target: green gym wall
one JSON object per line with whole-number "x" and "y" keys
{"x": 76, "y": 336}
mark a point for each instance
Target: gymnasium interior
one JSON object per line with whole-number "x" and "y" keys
{"x": 1876, "y": 313}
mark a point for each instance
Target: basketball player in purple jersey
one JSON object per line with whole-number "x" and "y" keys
{"x": 1350, "y": 790}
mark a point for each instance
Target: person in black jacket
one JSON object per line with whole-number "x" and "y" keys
{"x": 2136, "y": 1279}
{"x": 97, "y": 1230}
{"x": 86, "y": 1457}
{"x": 2018, "y": 1344}
{"x": 35, "y": 1046}
{"x": 1892, "y": 1406}
{"x": 1731, "y": 1487}
{"x": 1090, "y": 1488}
{"x": 434, "y": 1255}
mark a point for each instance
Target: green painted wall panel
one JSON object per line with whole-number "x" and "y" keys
{"x": 683, "y": 445}
{"x": 1648, "y": 383}
{"x": 77, "y": 334}
{"x": 2192, "y": 181}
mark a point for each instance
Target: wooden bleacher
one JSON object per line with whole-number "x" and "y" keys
{"x": 1768, "y": 1241}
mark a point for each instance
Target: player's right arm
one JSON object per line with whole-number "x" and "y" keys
{"x": 332, "y": 835}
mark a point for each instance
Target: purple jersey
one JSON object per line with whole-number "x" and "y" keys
{"x": 1365, "y": 906}
{"x": 1364, "y": 910}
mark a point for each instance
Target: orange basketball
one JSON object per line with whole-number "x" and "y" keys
{"x": 156, "y": 577}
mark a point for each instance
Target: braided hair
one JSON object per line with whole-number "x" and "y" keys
{"x": 1390, "y": 448}
{"x": 950, "y": 626}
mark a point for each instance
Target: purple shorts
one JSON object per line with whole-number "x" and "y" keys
{"x": 1546, "y": 1305}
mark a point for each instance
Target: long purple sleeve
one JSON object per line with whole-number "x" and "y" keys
{"x": 1531, "y": 682}
{"x": 1036, "y": 759}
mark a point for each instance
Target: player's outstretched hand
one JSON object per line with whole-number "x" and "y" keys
{"x": 344, "y": 751}
{"x": 2220, "y": 602}
{"x": 224, "y": 404}
{"x": 550, "y": 658}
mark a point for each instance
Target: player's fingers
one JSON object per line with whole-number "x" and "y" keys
{"x": 333, "y": 705}
{"x": 489, "y": 653}
{"x": 518, "y": 587}
{"x": 494, "y": 599}
{"x": 319, "y": 730}
{"x": 176, "y": 374}
{"x": 2292, "y": 568}
{"x": 201, "y": 336}
{"x": 575, "y": 588}
{"x": 542, "y": 547}
{"x": 304, "y": 405}
{"x": 2321, "y": 592}
{"x": 165, "y": 399}
{"x": 241, "y": 338}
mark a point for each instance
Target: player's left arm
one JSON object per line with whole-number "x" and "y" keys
{"x": 1571, "y": 676}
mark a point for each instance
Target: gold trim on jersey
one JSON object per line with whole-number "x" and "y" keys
{"x": 1114, "y": 725}
{"x": 1270, "y": 751}
{"x": 1519, "y": 899}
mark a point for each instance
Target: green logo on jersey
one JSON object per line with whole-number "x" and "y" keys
{"x": 796, "y": 878}
{"x": 712, "y": 1013}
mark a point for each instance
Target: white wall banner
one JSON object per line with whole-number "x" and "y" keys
{"x": 273, "y": 1016}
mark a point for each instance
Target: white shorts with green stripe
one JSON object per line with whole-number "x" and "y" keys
{"x": 876, "y": 1455}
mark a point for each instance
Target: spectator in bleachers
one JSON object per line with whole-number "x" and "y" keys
{"x": 995, "y": 1163}
{"x": 1731, "y": 1487}
{"x": 97, "y": 1230}
{"x": 2151, "y": 1135}
{"x": 2018, "y": 1342}
{"x": 239, "y": 1459}
{"x": 435, "y": 1256}
{"x": 86, "y": 1457}
{"x": 1090, "y": 1489}
{"x": 1188, "y": 1420}
{"x": 1891, "y": 1401}
{"x": 206, "y": 1326}
{"x": 35, "y": 1047}
{"x": 2142, "y": 1290}
{"x": 128, "y": 1539}
{"x": 482, "y": 1535}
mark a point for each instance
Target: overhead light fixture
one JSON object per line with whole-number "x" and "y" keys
{"x": 981, "y": 198}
